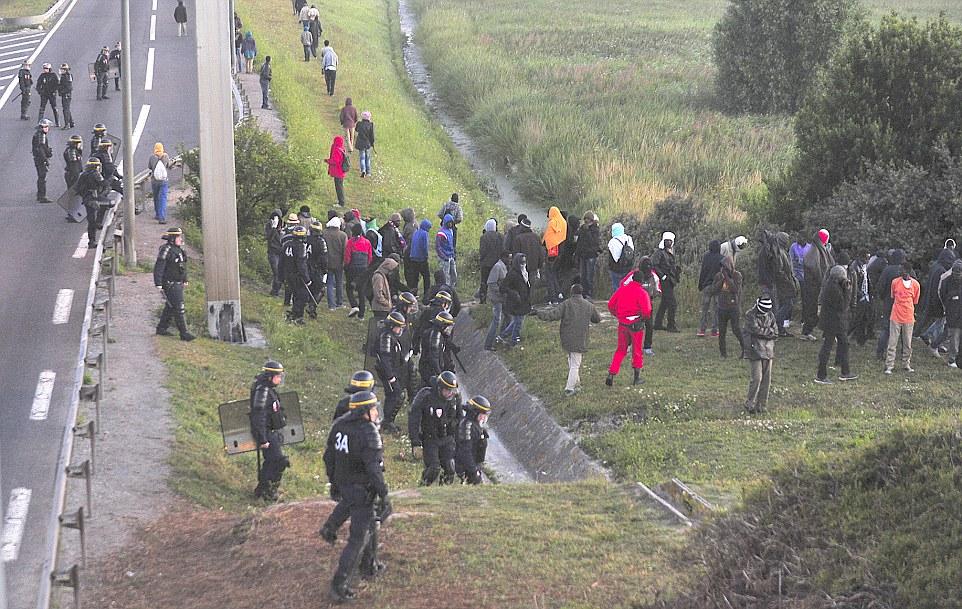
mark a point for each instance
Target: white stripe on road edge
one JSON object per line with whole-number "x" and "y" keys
{"x": 154, "y": 8}
{"x": 41, "y": 399}
{"x": 13, "y": 59}
{"x": 43, "y": 43}
{"x": 20, "y": 36}
{"x": 138, "y": 131}
{"x": 153, "y": 27}
{"x": 149, "y": 82}
{"x": 8, "y": 68}
{"x": 61, "y": 310}
{"x": 15, "y": 45}
{"x": 14, "y": 521}
{"x": 81, "y": 250}
{"x": 17, "y": 52}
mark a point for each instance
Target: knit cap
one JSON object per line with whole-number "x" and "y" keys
{"x": 764, "y": 304}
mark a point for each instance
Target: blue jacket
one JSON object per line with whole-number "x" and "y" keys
{"x": 444, "y": 242}
{"x": 419, "y": 242}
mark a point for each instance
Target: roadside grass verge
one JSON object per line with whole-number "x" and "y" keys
{"x": 23, "y": 8}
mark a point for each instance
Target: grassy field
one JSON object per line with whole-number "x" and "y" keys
{"x": 23, "y": 8}
{"x": 607, "y": 105}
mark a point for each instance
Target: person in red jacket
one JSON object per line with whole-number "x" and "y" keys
{"x": 631, "y": 306}
{"x": 358, "y": 255}
{"x": 337, "y": 168}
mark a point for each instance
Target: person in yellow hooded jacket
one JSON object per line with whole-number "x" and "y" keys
{"x": 554, "y": 235}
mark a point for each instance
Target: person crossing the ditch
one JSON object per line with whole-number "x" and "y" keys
{"x": 268, "y": 421}
{"x": 433, "y": 423}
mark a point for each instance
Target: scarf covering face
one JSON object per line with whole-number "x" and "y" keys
{"x": 557, "y": 230}
{"x": 518, "y": 264}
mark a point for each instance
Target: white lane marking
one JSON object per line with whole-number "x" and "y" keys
{"x": 20, "y": 36}
{"x": 41, "y": 399}
{"x": 61, "y": 310}
{"x": 81, "y": 250}
{"x": 17, "y": 52}
{"x": 154, "y": 7}
{"x": 8, "y": 68}
{"x": 14, "y": 521}
{"x": 43, "y": 43}
{"x": 14, "y": 59}
{"x": 138, "y": 131}
{"x": 153, "y": 27}
{"x": 18, "y": 44}
{"x": 149, "y": 82}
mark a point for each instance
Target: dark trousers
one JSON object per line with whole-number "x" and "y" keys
{"x": 272, "y": 469}
{"x": 392, "y": 395}
{"x": 52, "y": 100}
{"x": 784, "y": 311}
{"x": 307, "y": 52}
{"x": 841, "y": 357}
{"x": 339, "y": 190}
{"x": 70, "y": 175}
{"x": 67, "y": 115}
{"x": 649, "y": 333}
{"x": 438, "y": 454}
{"x": 24, "y": 102}
{"x": 357, "y": 504}
{"x": 41, "y": 178}
{"x": 316, "y": 289}
{"x": 265, "y": 87}
{"x": 667, "y": 307}
{"x": 483, "y": 290}
{"x": 809, "y": 308}
{"x": 173, "y": 308}
{"x": 274, "y": 259}
{"x": 553, "y": 287}
{"x": 355, "y": 291}
{"x": 299, "y": 297}
{"x": 94, "y": 218}
{"x": 329, "y": 77}
{"x": 101, "y": 85}
{"x": 883, "y": 332}
{"x": 863, "y": 322}
{"x": 587, "y": 272}
{"x": 728, "y": 317}
{"x": 413, "y": 271}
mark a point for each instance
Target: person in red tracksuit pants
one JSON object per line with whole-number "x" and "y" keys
{"x": 631, "y": 305}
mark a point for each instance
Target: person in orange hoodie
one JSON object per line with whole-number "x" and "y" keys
{"x": 554, "y": 235}
{"x": 905, "y": 292}
{"x": 631, "y": 306}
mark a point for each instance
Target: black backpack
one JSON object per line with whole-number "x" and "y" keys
{"x": 627, "y": 260}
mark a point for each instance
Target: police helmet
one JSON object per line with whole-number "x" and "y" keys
{"x": 45, "y": 122}
{"x": 408, "y": 298}
{"x": 448, "y": 379}
{"x": 100, "y": 128}
{"x": 396, "y": 319}
{"x": 293, "y": 219}
{"x": 299, "y": 231}
{"x": 480, "y": 403}
{"x": 173, "y": 232}
{"x": 316, "y": 225}
{"x": 47, "y": 66}
{"x": 444, "y": 319}
{"x": 94, "y": 162}
{"x": 270, "y": 366}
{"x": 443, "y": 297}
{"x": 362, "y": 399}
{"x": 362, "y": 380}
{"x": 76, "y": 139}
{"x": 65, "y": 67}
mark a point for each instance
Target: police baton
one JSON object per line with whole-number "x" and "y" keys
{"x": 311, "y": 294}
{"x": 458, "y": 360}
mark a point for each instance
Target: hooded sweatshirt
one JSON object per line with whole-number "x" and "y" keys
{"x": 732, "y": 247}
{"x": 527, "y": 243}
{"x": 492, "y": 244}
{"x": 444, "y": 240}
{"x": 381, "y": 299}
{"x": 419, "y": 242}
{"x": 516, "y": 288}
{"x": 817, "y": 263}
{"x": 336, "y": 242}
{"x": 555, "y": 233}
{"x": 710, "y": 264}
{"x": 630, "y": 303}
{"x": 616, "y": 246}
{"x": 834, "y": 301}
{"x": 272, "y": 232}
{"x": 663, "y": 260}
{"x": 407, "y": 231}
{"x": 950, "y": 293}
{"x": 930, "y": 304}
{"x": 893, "y": 270}
{"x": 336, "y": 158}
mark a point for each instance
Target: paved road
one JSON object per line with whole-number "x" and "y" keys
{"x": 44, "y": 267}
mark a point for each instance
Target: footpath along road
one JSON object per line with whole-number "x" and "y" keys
{"x": 46, "y": 267}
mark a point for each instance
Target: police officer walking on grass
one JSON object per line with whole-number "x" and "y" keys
{"x": 433, "y": 423}
{"x": 389, "y": 354}
{"x": 354, "y": 460}
{"x": 316, "y": 265}
{"x": 170, "y": 276}
{"x": 41, "y": 158}
{"x": 362, "y": 380}
{"x": 267, "y": 424}
{"x": 472, "y": 440}
{"x": 25, "y": 82}
{"x": 295, "y": 272}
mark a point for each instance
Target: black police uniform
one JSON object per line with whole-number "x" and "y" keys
{"x": 65, "y": 89}
{"x": 93, "y": 190}
{"x": 73, "y": 157}
{"x": 47, "y": 85}
{"x": 101, "y": 67}
{"x": 389, "y": 357}
{"x": 41, "y": 160}
{"x": 316, "y": 268}
{"x": 423, "y": 324}
{"x": 108, "y": 168}
{"x": 408, "y": 376}
{"x": 472, "y": 447}
{"x": 95, "y": 140}
{"x": 354, "y": 459}
{"x": 25, "y": 81}
{"x": 296, "y": 275}
{"x": 286, "y": 237}
{"x": 267, "y": 425}
{"x": 436, "y": 353}
{"x": 115, "y": 56}
{"x": 170, "y": 273}
{"x": 432, "y": 423}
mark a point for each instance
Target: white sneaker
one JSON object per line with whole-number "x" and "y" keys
{"x": 953, "y": 365}
{"x": 909, "y": 369}
{"x": 888, "y": 371}
{"x": 354, "y": 311}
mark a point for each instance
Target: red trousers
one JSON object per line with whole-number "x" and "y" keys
{"x": 637, "y": 340}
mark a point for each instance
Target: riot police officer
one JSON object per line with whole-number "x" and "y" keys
{"x": 316, "y": 265}
{"x": 112, "y": 176}
{"x": 354, "y": 460}
{"x": 73, "y": 159}
{"x": 437, "y": 347}
{"x": 472, "y": 440}
{"x": 114, "y": 57}
{"x": 362, "y": 380}
{"x": 390, "y": 358}
{"x": 267, "y": 425}
{"x": 407, "y": 305}
{"x": 25, "y": 81}
{"x": 101, "y": 68}
{"x": 432, "y": 423}
{"x": 47, "y": 85}
{"x": 65, "y": 89}
{"x": 98, "y": 135}
{"x": 41, "y": 158}
{"x": 93, "y": 190}
{"x": 295, "y": 272}
{"x": 170, "y": 275}
{"x": 289, "y": 223}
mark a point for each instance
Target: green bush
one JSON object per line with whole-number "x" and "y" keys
{"x": 893, "y": 94}
{"x": 767, "y": 52}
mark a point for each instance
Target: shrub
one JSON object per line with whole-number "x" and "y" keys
{"x": 767, "y": 52}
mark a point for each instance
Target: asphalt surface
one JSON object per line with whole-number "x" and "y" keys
{"x": 37, "y": 246}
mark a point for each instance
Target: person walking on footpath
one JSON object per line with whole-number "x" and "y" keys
{"x": 710, "y": 267}
{"x": 761, "y": 332}
{"x": 338, "y": 165}
{"x": 364, "y": 142}
{"x": 348, "y": 120}
{"x": 416, "y": 264}
{"x": 267, "y": 73}
{"x": 158, "y": 165}
{"x": 905, "y": 291}
{"x": 576, "y": 315}
{"x": 621, "y": 255}
{"x": 314, "y": 25}
{"x": 444, "y": 248}
{"x": 663, "y": 261}
{"x": 834, "y": 301}
{"x": 587, "y": 246}
{"x": 180, "y": 18}
{"x": 238, "y": 55}
{"x": 950, "y": 293}
{"x": 330, "y": 67}
{"x": 249, "y": 49}
{"x": 336, "y": 241}
{"x": 498, "y": 319}
{"x": 727, "y": 288}
{"x": 630, "y": 305}
{"x": 307, "y": 40}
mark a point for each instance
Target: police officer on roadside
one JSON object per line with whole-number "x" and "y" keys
{"x": 472, "y": 440}
{"x": 73, "y": 159}
{"x": 41, "y": 158}
{"x": 65, "y": 89}
{"x": 316, "y": 265}
{"x": 112, "y": 176}
{"x": 170, "y": 276}
{"x": 362, "y": 380}
{"x": 432, "y": 423}
{"x": 267, "y": 425}
{"x": 295, "y": 272}
{"x": 437, "y": 347}
{"x": 115, "y": 57}
{"x": 389, "y": 356}
{"x": 25, "y": 82}
{"x": 101, "y": 68}
{"x": 47, "y": 85}
{"x": 93, "y": 191}
{"x": 354, "y": 459}
{"x": 98, "y": 135}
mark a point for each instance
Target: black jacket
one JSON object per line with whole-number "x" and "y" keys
{"x": 294, "y": 266}
{"x": 316, "y": 248}
{"x": 884, "y": 288}
{"x": 710, "y": 265}
{"x": 436, "y": 349}
{"x": 951, "y": 296}
{"x": 65, "y": 84}
{"x": 364, "y": 135}
{"x": 489, "y": 251}
{"x": 25, "y": 81}
{"x": 171, "y": 265}
{"x": 47, "y": 83}
{"x": 391, "y": 240}
{"x": 266, "y": 414}
{"x": 517, "y": 292}
{"x": 273, "y": 235}
{"x": 432, "y": 418}
{"x": 180, "y": 14}
{"x": 102, "y": 64}
{"x": 664, "y": 264}
{"x": 355, "y": 455}
{"x": 472, "y": 448}
{"x": 589, "y": 241}
{"x": 40, "y": 147}
{"x": 835, "y": 301}
{"x": 931, "y": 305}
{"x": 91, "y": 186}
{"x": 389, "y": 352}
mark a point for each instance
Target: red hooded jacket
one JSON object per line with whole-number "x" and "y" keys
{"x": 629, "y": 303}
{"x": 335, "y": 158}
